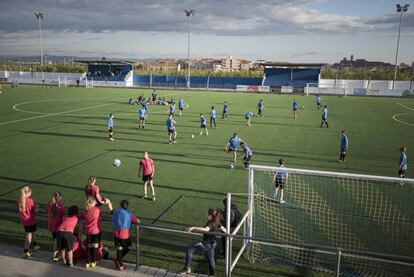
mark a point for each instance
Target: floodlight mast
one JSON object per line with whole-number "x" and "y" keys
{"x": 188, "y": 13}
{"x": 400, "y": 9}
{"x": 39, "y": 17}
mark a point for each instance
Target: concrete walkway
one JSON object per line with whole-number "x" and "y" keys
{"x": 40, "y": 264}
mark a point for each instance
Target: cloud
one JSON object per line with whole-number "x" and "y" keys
{"x": 236, "y": 17}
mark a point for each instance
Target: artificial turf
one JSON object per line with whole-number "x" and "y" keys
{"x": 54, "y": 138}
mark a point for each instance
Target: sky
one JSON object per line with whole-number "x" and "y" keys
{"x": 275, "y": 30}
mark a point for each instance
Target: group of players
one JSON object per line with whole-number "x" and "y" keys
{"x": 67, "y": 243}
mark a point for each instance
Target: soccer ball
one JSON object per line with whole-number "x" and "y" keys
{"x": 117, "y": 163}
{"x": 192, "y": 136}
{"x": 231, "y": 166}
{"x": 303, "y": 106}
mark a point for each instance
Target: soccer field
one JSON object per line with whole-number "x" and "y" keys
{"x": 54, "y": 138}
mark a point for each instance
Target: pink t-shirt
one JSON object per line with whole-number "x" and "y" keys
{"x": 124, "y": 233}
{"x": 55, "y": 220}
{"x": 92, "y": 221}
{"x": 68, "y": 223}
{"x": 147, "y": 166}
{"x": 28, "y": 216}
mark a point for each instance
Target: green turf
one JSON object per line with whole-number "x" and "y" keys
{"x": 56, "y": 137}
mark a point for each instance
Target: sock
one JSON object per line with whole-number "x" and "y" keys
{"x": 119, "y": 256}
{"x": 93, "y": 255}
{"x": 343, "y": 157}
{"x": 89, "y": 255}
{"x": 125, "y": 251}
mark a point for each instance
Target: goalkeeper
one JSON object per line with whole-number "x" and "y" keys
{"x": 280, "y": 179}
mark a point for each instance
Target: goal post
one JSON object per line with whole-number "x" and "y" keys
{"x": 326, "y": 89}
{"x": 88, "y": 83}
{"x": 353, "y": 212}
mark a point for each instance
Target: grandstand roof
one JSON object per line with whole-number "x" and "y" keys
{"x": 104, "y": 62}
{"x": 291, "y": 65}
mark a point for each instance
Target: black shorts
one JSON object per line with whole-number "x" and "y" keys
{"x": 203, "y": 126}
{"x": 142, "y": 118}
{"x": 146, "y": 178}
{"x": 401, "y": 172}
{"x": 324, "y": 119}
{"x": 65, "y": 240}
{"x": 96, "y": 238}
{"x": 224, "y": 112}
{"x": 181, "y": 109}
{"x": 111, "y": 129}
{"x": 279, "y": 185}
{"x": 343, "y": 150}
{"x": 30, "y": 229}
{"x": 171, "y": 131}
{"x": 295, "y": 109}
{"x": 54, "y": 235}
{"x": 247, "y": 118}
{"x": 124, "y": 243}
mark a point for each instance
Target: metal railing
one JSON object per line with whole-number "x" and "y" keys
{"x": 338, "y": 252}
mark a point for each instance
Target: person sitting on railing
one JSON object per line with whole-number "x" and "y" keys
{"x": 208, "y": 245}
{"x": 121, "y": 222}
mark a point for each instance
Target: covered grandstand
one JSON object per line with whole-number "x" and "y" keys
{"x": 109, "y": 72}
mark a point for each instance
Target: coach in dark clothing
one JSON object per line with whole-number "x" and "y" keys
{"x": 235, "y": 217}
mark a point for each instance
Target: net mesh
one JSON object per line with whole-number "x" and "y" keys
{"x": 342, "y": 212}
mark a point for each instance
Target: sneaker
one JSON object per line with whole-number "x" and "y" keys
{"x": 201, "y": 133}
{"x": 282, "y": 201}
{"x": 93, "y": 264}
{"x": 144, "y": 197}
{"x": 174, "y": 142}
{"x": 26, "y": 255}
{"x": 185, "y": 270}
{"x": 111, "y": 138}
{"x": 87, "y": 265}
{"x": 69, "y": 265}
{"x": 153, "y": 199}
{"x": 339, "y": 161}
{"x": 122, "y": 267}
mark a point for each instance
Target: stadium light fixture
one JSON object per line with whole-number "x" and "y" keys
{"x": 400, "y": 9}
{"x": 40, "y": 17}
{"x": 189, "y": 13}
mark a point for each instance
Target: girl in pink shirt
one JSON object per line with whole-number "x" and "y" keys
{"x": 55, "y": 212}
{"x": 92, "y": 190}
{"x": 65, "y": 237}
{"x": 27, "y": 211}
{"x": 146, "y": 166}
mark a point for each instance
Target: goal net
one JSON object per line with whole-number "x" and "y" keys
{"x": 360, "y": 213}
{"x": 88, "y": 83}
{"x": 328, "y": 89}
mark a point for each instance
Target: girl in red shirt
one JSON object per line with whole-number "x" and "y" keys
{"x": 65, "y": 237}
{"x": 92, "y": 190}
{"x": 27, "y": 212}
{"x": 55, "y": 212}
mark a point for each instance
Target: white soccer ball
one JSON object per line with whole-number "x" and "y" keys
{"x": 192, "y": 136}
{"x": 231, "y": 166}
{"x": 117, "y": 163}
{"x": 303, "y": 106}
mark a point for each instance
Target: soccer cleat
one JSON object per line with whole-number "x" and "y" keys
{"x": 87, "y": 265}
{"x": 26, "y": 255}
{"x": 174, "y": 142}
{"x": 122, "y": 267}
{"x": 184, "y": 271}
{"x": 144, "y": 197}
{"x": 93, "y": 264}
{"x": 111, "y": 138}
{"x": 282, "y": 201}
{"x": 201, "y": 133}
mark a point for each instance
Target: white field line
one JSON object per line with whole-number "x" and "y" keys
{"x": 53, "y": 114}
{"x": 405, "y": 106}
{"x": 398, "y": 114}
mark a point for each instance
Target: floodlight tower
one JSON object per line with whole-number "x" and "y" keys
{"x": 39, "y": 17}
{"x": 189, "y": 13}
{"x": 400, "y": 9}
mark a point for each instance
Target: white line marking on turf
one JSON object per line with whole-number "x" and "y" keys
{"x": 405, "y": 106}
{"x": 52, "y": 114}
{"x": 398, "y": 114}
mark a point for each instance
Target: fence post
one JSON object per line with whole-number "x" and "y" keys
{"x": 338, "y": 264}
{"x": 227, "y": 257}
{"x": 137, "y": 247}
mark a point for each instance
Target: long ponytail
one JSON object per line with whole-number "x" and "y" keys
{"x": 89, "y": 204}
{"x": 24, "y": 191}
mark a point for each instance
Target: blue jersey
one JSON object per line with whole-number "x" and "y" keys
{"x": 248, "y": 115}
{"x": 225, "y": 107}
{"x": 403, "y": 162}
{"x": 110, "y": 123}
{"x": 172, "y": 108}
{"x": 170, "y": 123}
{"x": 344, "y": 141}
{"x": 295, "y": 104}
{"x": 281, "y": 176}
{"x": 260, "y": 106}
{"x": 247, "y": 151}
{"x": 144, "y": 105}
{"x": 181, "y": 104}
{"x": 234, "y": 143}
{"x": 213, "y": 114}
{"x": 142, "y": 112}
{"x": 325, "y": 113}
{"x": 318, "y": 100}
{"x": 203, "y": 120}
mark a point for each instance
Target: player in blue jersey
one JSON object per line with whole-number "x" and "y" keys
{"x": 181, "y": 105}
{"x": 318, "y": 102}
{"x": 295, "y": 108}
{"x": 325, "y": 116}
{"x": 110, "y": 125}
{"x": 232, "y": 146}
{"x": 203, "y": 125}
{"x": 171, "y": 108}
{"x": 142, "y": 113}
{"x": 225, "y": 110}
{"x": 248, "y": 154}
{"x": 213, "y": 115}
{"x": 172, "y": 133}
{"x": 280, "y": 179}
{"x": 403, "y": 165}
{"x": 248, "y": 117}
{"x": 260, "y": 108}
{"x": 344, "y": 146}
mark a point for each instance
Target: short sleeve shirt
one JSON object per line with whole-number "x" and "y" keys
{"x": 147, "y": 165}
